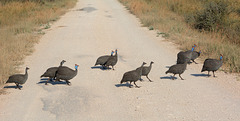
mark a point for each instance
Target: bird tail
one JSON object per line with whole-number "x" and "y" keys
{"x": 42, "y": 76}
{"x": 8, "y": 81}
{"x": 121, "y": 81}
{"x": 203, "y": 69}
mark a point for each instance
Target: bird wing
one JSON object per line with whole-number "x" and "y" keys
{"x": 15, "y": 78}
{"x": 64, "y": 70}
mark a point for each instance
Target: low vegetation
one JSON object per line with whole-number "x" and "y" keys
{"x": 214, "y": 25}
{"x": 21, "y": 25}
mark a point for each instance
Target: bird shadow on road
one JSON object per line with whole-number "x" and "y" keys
{"x": 43, "y": 81}
{"x": 167, "y": 66}
{"x": 121, "y": 58}
{"x": 200, "y": 75}
{"x": 167, "y": 77}
{"x": 123, "y": 85}
{"x": 87, "y": 9}
{"x": 100, "y": 67}
{"x": 13, "y": 87}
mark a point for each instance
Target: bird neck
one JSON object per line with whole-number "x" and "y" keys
{"x": 61, "y": 63}
{"x": 26, "y": 72}
{"x": 150, "y": 65}
{"x": 76, "y": 67}
{"x": 193, "y": 49}
{"x": 221, "y": 58}
{"x": 140, "y": 69}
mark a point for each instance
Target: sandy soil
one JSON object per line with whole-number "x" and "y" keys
{"x": 94, "y": 28}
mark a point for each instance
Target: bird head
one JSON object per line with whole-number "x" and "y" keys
{"x": 152, "y": 62}
{"x": 194, "y": 45}
{"x": 144, "y": 63}
{"x": 27, "y": 68}
{"x": 112, "y": 52}
{"x": 76, "y": 66}
{"x": 63, "y": 61}
{"x": 221, "y": 56}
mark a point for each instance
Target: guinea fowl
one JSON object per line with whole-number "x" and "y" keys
{"x": 212, "y": 65}
{"x": 103, "y": 59}
{"x": 186, "y": 56}
{"x": 51, "y": 72}
{"x": 18, "y": 79}
{"x": 66, "y": 73}
{"x": 112, "y": 61}
{"x": 133, "y": 76}
{"x": 195, "y": 55}
{"x": 146, "y": 70}
{"x": 177, "y": 69}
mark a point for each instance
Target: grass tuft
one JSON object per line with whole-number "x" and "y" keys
{"x": 20, "y": 23}
{"x": 174, "y": 19}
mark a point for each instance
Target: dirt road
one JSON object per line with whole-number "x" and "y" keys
{"x": 94, "y": 28}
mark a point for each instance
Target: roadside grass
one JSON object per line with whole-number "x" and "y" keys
{"x": 160, "y": 15}
{"x": 21, "y": 27}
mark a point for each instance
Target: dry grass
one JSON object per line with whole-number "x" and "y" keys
{"x": 160, "y": 15}
{"x": 20, "y": 24}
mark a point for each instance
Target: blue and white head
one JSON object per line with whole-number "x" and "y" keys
{"x": 76, "y": 66}
{"x": 112, "y": 53}
{"x": 193, "y": 47}
{"x": 221, "y": 56}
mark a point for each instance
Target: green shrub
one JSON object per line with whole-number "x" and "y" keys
{"x": 212, "y": 17}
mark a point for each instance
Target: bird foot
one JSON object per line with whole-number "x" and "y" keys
{"x": 137, "y": 86}
{"x": 69, "y": 83}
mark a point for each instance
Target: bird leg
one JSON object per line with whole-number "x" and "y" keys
{"x": 113, "y": 68}
{"x": 47, "y": 81}
{"x": 18, "y": 86}
{"x": 180, "y": 76}
{"x": 136, "y": 85}
{"x": 51, "y": 79}
{"x": 130, "y": 85}
{"x": 195, "y": 62}
{"x": 57, "y": 79}
{"x": 68, "y": 83}
{"x": 104, "y": 67}
{"x": 213, "y": 74}
{"x": 149, "y": 79}
{"x": 173, "y": 76}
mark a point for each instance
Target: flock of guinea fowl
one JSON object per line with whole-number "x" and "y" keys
{"x": 65, "y": 73}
